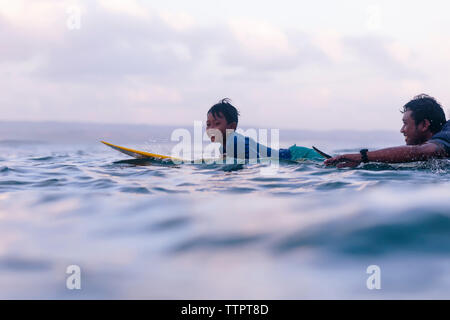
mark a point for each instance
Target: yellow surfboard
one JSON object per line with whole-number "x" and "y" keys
{"x": 141, "y": 154}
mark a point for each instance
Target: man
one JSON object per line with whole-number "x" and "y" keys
{"x": 427, "y": 135}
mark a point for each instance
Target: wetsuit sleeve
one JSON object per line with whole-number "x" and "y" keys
{"x": 443, "y": 138}
{"x": 445, "y": 143}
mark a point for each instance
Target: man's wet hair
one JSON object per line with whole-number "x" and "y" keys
{"x": 225, "y": 107}
{"x": 424, "y": 107}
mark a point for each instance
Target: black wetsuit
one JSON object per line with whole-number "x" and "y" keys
{"x": 443, "y": 138}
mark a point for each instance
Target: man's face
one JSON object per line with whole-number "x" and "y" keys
{"x": 414, "y": 134}
{"x": 218, "y": 125}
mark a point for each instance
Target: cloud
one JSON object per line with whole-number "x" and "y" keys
{"x": 258, "y": 47}
{"x": 384, "y": 54}
{"x": 129, "y": 62}
{"x": 117, "y": 40}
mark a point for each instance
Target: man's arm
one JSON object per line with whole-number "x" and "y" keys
{"x": 392, "y": 155}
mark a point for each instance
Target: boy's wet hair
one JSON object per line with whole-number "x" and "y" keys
{"x": 224, "y": 106}
{"x": 424, "y": 107}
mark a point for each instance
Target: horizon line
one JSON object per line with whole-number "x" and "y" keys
{"x": 179, "y": 125}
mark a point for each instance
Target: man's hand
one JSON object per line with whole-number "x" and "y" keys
{"x": 346, "y": 160}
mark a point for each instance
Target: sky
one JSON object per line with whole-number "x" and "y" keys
{"x": 314, "y": 65}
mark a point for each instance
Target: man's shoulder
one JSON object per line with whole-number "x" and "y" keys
{"x": 442, "y": 138}
{"x": 446, "y": 127}
{"x": 444, "y": 133}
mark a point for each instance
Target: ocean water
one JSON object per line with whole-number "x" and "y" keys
{"x": 151, "y": 231}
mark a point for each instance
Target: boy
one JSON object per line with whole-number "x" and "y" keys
{"x": 221, "y": 123}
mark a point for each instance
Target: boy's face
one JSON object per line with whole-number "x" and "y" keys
{"x": 217, "y": 124}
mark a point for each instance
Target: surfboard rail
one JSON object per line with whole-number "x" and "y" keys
{"x": 140, "y": 154}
